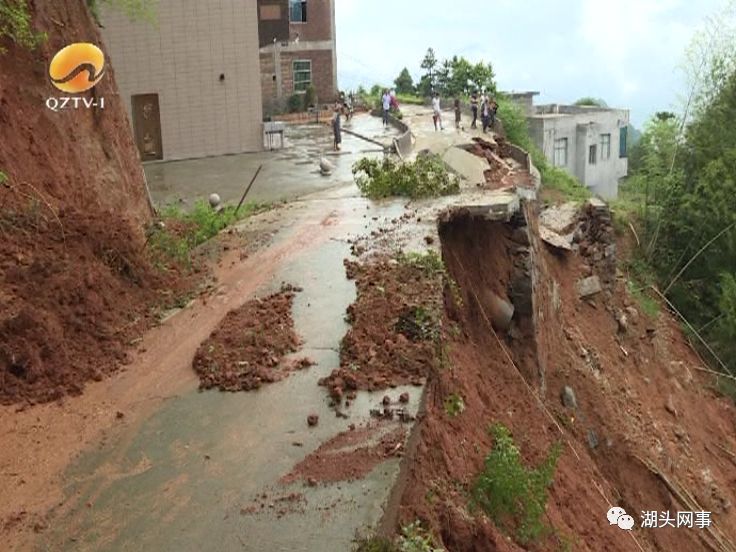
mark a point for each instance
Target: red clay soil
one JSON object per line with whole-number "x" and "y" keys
{"x": 248, "y": 348}
{"x": 71, "y": 302}
{"x": 639, "y": 397}
{"x": 341, "y": 459}
{"x": 74, "y": 285}
{"x": 390, "y": 341}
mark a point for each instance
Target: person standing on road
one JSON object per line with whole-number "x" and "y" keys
{"x": 386, "y": 101}
{"x": 458, "y": 114}
{"x": 337, "y": 127}
{"x": 494, "y": 109}
{"x": 485, "y": 113}
{"x": 474, "y": 109}
{"x": 437, "y": 112}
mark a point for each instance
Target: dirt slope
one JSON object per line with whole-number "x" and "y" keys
{"x": 75, "y": 284}
{"x": 642, "y": 407}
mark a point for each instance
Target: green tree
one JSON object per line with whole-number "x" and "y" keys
{"x": 404, "y": 83}
{"x": 590, "y": 101}
{"x": 429, "y": 63}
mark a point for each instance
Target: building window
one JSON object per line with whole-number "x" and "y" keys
{"x": 622, "y": 141}
{"x": 560, "y": 159}
{"x": 605, "y": 147}
{"x": 270, "y": 12}
{"x": 593, "y": 154}
{"x": 302, "y": 75}
{"x": 298, "y": 11}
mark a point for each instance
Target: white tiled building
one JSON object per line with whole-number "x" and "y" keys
{"x": 190, "y": 80}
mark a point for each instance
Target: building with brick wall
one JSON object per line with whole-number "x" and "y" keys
{"x": 190, "y": 80}
{"x": 297, "y": 49}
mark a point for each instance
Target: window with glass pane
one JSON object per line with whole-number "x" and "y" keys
{"x": 622, "y": 141}
{"x": 560, "y": 158}
{"x": 593, "y": 154}
{"x": 605, "y": 147}
{"x": 298, "y": 11}
{"x": 302, "y": 75}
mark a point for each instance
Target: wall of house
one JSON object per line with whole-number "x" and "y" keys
{"x": 320, "y": 16}
{"x": 582, "y": 130}
{"x": 180, "y": 58}
{"x": 312, "y": 40}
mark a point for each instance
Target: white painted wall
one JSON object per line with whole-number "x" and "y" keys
{"x": 582, "y": 130}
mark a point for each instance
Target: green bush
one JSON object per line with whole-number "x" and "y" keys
{"x": 295, "y": 103}
{"x": 454, "y": 405}
{"x": 15, "y": 24}
{"x": 514, "y": 496}
{"x": 415, "y": 539}
{"x": 310, "y": 97}
{"x": 425, "y": 177}
{"x": 183, "y": 231}
{"x": 429, "y": 262}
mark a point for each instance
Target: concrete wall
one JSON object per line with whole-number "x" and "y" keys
{"x": 583, "y": 127}
{"x": 180, "y": 58}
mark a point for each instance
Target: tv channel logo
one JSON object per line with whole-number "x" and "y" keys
{"x": 75, "y": 69}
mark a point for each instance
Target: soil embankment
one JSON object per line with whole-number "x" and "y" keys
{"x": 643, "y": 431}
{"x": 76, "y": 284}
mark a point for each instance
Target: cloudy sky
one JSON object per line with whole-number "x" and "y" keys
{"x": 628, "y": 52}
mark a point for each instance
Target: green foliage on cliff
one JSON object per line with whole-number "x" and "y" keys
{"x": 16, "y": 25}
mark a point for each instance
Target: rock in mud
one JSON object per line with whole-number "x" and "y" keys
{"x": 568, "y": 397}
{"x": 404, "y": 398}
{"x": 589, "y": 287}
{"x": 312, "y": 420}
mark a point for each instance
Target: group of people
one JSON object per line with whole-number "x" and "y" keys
{"x": 479, "y": 104}
{"x": 487, "y": 107}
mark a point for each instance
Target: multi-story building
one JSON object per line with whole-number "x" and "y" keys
{"x": 190, "y": 79}
{"x": 297, "y": 40}
{"x": 589, "y": 142}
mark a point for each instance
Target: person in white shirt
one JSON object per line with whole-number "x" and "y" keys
{"x": 386, "y": 99}
{"x": 437, "y": 112}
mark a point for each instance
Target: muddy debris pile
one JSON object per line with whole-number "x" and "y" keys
{"x": 249, "y": 346}
{"x": 395, "y": 323}
{"x": 502, "y": 167}
{"x": 350, "y": 455}
{"x": 64, "y": 284}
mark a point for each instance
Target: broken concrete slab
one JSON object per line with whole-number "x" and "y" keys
{"x": 588, "y": 287}
{"x": 560, "y": 218}
{"x": 470, "y": 167}
{"x": 554, "y": 239}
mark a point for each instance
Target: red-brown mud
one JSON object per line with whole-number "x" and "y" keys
{"x": 72, "y": 302}
{"x": 350, "y": 455}
{"x": 395, "y": 321}
{"x": 642, "y": 408}
{"x": 248, "y": 347}
{"x": 75, "y": 287}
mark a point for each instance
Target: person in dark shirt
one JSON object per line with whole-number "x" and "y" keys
{"x": 474, "y": 109}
